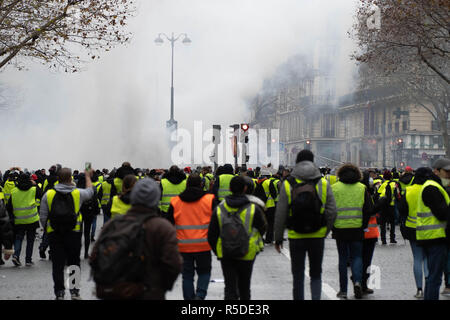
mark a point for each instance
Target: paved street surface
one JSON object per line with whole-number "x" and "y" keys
{"x": 271, "y": 276}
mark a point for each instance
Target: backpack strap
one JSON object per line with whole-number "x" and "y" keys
{"x": 238, "y": 213}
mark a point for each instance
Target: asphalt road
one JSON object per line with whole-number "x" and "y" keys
{"x": 271, "y": 278}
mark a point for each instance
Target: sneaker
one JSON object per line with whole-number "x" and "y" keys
{"x": 358, "y": 290}
{"x": 367, "y": 291}
{"x": 92, "y": 239}
{"x": 60, "y": 295}
{"x": 419, "y": 294}
{"x": 383, "y": 242}
{"x": 16, "y": 261}
{"x": 393, "y": 241}
{"x": 29, "y": 264}
{"x": 446, "y": 292}
{"x": 42, "y": 254}
{"x": 341, "y": 295}
{"x": 75, "y": 296}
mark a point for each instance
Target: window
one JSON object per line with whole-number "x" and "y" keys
{"x": 328, "y": 125}
{"x": 422, "y": 141}
{"x": 435, "y": 141}
{"x": 389, "y": 127}
{"x": 397, "y": 127}
{"x": 413, "y": 141}
{"x": 405, "y": 125}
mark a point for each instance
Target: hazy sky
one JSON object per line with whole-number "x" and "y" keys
{"x": 116, "y": 109}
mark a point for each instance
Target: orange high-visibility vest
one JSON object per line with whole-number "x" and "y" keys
{"x": 373, "y": 232}
{"x": 192, "y": 222}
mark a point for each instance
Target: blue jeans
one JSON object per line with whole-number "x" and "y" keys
{"x": 298, "y": 249}
{"x": 94, "y": 226}
{"x": 436, "y": 256}
{"x": 201, "y": 263}
{"x": 349, "y": 250}
{"x": 419, "y": 260}
{"x": 20, "y": 231}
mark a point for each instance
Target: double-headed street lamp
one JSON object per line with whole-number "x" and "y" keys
{"x": 172, "y": 124}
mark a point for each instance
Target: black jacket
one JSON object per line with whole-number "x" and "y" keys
{"x": 191, "y": 194}
{"x": 6, "y": 229}
{"x": 434, "y": 200}
{"x": 349, "y": 176}
{"x": 235, "y": 201}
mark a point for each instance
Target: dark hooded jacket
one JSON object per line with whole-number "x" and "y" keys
{"x": 6, "y": 229}
{"x": 191, "y": 194}
{"x": 350, "y": 175}
{"x": 120, "y": 173}
{"x": 174, "y": 177}
{"x": 235, "y": 201}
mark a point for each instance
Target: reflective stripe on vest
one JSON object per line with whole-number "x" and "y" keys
{"x": 246, "y": 216}
{"x": 428, "y": 226}
{"x": 321, "y": 188}
{"x": 76, "y": 202}
{"x": 412, "y": 196}
{"x": 169, "y": 191}
{"x": 24, "y": 206}
{"x": 349, "y": 203}
{"x": 224, "y": 186}
{"x": 118, "y": 207}
{"x": 192, "y": 222}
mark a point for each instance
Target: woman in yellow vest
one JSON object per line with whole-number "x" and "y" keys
{"x": 120, "y": 204}
{"x": 354, "y": 208}
{"x": 23, "y": 207}
{"x": 237, "y": 271}
{"x": 408, "y": 213}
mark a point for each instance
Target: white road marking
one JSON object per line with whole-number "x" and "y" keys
{"x": 326, "y": 288}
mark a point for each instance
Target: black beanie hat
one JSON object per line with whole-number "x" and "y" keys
{"x": 305, "y": 155}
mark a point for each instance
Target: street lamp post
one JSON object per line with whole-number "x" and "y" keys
{"x": 172, "y": 124}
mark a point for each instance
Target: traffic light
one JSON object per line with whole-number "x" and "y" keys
{"x": 308, "y": 145}
{"x": 244, "y": 133}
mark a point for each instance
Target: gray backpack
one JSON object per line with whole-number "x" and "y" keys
{"x": 234, "y": 234}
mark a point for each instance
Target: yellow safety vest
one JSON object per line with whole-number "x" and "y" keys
{"x": 169, "y": 191}
{"x": 270, "y": 202}
{"x": 256, "y": 244}
{"x": 349, "y": 203}
{"x": 76, "y": 201}
{"x": 428, "y": 226}
{"x": 412, "y": 196}
{"x": 7, "y": 189}
{"x": 106, "y": 187}
{"x": 321, "y": 188}
{"x": 224, "y": 186}
{"x": 118, "y": 207}
{"x": 24, "y": 206}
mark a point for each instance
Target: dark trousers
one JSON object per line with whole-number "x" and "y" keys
{"x": 436, "y": 255}
{"x": 387, "y": 217}
{"x": 237, "y": 276}
{"x": 368, "y": 249}
{"x": 65, "y": 250}
{"x": 270, "y": 216}
{"x": 199, "y": 262}
{"x": 298, "y": 249}
{"x": 20, "y": 231}
{"x": 87, "y": 223}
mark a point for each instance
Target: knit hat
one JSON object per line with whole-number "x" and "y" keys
{"x": 305, "y": 155}
{"x": 146, "y": 193}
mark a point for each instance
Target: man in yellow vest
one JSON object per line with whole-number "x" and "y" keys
{"x": 302, "y": 243}
{"x": 65, "y": 246}
{"x": 432, "y": 220}
{"x": 172, "y": 184}
{"x": 237, "y": 271}
{"x": 22, "y": 208}
{"x": 221, "y": 187}
{"x": 106, "y": 196}
{"x": 354, "y": 208}
{"x": 408, "y": 213}
{"x": 388, "y": 193}
{"x": 119, "y": 175}
{"x": 120, "y": 204}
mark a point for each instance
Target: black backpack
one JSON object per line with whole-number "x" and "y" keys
{"x": 62, "y": 216}
{"x": 90, "y": 208}
{"x": 234, "y": 234}
{"x": 118, "y": 260}
{"x": 305, "y": 206}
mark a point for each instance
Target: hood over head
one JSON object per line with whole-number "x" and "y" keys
{"x": 306, "y": 170}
